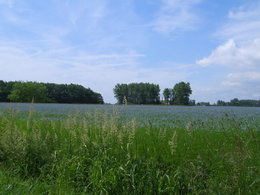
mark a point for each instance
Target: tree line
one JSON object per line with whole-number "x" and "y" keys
{"x": 147, "y": 93}
{"x": 17, "y": 91}
{"x": 233, "y": 102}
{"x": 133, "y": 93}
{"x": 237, "y": 102}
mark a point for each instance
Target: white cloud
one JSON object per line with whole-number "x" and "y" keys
{"x": 176, "y": 15}
{"x": 239, "y": 55}
{"x": 229, "y": 54}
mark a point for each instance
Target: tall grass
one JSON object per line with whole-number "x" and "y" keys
{"x": 97, "y": 153}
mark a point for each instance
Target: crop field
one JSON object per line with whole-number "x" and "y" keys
{"x": 105, "y": 149}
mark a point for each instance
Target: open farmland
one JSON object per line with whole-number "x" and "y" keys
{"x": 75, "y": 149}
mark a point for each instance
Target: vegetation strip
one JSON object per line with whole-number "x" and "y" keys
{"x": 105, "y": 156}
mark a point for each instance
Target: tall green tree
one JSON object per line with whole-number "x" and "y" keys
{"x": 5, "y": 90}
{"x": 168, "y": 95}
{"x": 234, "y": 102}
{"x": 121, "y": 93}
{"x": 137, "y": 93}
{"x": 3, "y": 95}
{"x": 182, "y": 92}
{"x": 27, "y": 92}
{"x": 221, "y": 103}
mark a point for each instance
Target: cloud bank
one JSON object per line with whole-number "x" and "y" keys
{"x": 240, "y": 54}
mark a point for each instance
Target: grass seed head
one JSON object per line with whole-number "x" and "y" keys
{"x": 173, "y": 142}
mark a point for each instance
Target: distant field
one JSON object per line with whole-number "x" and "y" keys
{"x": 143, "y": 113}
{"x": 94, "y": 149}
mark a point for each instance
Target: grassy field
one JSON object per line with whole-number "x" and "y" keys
{"x": 97, "y": 153}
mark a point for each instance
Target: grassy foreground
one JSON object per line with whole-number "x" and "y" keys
{"x": 99, "y": 154}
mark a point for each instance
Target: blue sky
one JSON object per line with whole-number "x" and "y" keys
{"x": 214, "y": 45}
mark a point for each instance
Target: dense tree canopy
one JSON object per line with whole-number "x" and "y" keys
{"x": 47, "y": 92}
{"x": 121, "y": 93}
{"x": 168, "y": 95}
{"x": 72, "y": 93}
{"x": 5, "y": 90}
{"x": 137, "y": 93}
{"x": 182, "y": 93}
{"x": 27, "y": 92}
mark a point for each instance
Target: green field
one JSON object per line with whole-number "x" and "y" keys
{"x": 55, "y": 149}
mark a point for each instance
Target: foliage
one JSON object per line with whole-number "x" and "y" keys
{"x": 168, "y": 95}
{"x": 28, "y": 92}
{"x": 121, "y": 92}
{"x": 137, "y": 93}
{"x": 98, "y": 154}
{"x": 192, "y": 102}
{"x": 203, "y": 104}
{"x": 237, "y": 102}
{"x": 5, "y": 90}
{"x": 182, "y": 92}
{"x": 63, "y": 93}
{"x": 16, "y": 91}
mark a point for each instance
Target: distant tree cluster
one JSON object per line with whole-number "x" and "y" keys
{"x": 16, "y": 91}
{"x": 203, "y": 104}
{"x": 168, "y": 95}
{"x": 146, "y": 93}
{"x": 137, "y": 93}
{"x": 179, "y": 94}
{"x": 233, "y": 102}
{"x": 237, "y": 102}
{"x": 72, "y": 93}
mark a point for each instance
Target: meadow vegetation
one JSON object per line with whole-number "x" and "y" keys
{"x": 102, "y": 153}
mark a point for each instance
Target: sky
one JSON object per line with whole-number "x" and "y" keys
{"x": 214, "y": 45}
